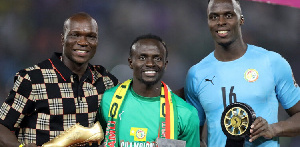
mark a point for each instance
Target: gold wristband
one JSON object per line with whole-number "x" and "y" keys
{"x": 21, "y": 145}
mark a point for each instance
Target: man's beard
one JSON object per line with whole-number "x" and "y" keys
{"x": 150, "y": 83}
{"x": 226, "y": 44}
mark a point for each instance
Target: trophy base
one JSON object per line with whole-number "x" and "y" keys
{"x": 235, "y": 143}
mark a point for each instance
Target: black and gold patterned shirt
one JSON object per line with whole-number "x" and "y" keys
{"x": 48, "y": 98}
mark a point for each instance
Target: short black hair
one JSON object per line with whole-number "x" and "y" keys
{"x": 148, "y": 36}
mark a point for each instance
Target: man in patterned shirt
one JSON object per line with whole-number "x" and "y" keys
{"x": 49, "y": 97}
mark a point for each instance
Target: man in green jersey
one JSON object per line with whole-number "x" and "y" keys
{"x": 142, "y": 109}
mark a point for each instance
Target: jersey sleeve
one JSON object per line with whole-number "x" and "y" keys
{"x": 188, "y": 123}
{"x": 191, "y": 94}
{"x": 287, "y": 90}
{"x": 19, "y": 102}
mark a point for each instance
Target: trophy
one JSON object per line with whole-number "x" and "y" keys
{"x": 236, "y": 121}
{"x": 163, "y": 142}
{"x": 77, "y": 135}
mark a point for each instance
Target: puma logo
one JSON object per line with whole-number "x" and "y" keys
{"x": 208, "y": 80}
{"x": 121, "y": 114}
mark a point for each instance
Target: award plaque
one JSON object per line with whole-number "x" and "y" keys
{"x": 236, "y": 121}
{"x": 163, "y": 142}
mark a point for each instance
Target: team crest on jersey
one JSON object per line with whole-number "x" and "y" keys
{"x": 251, "y": 75}
{"x": 139, "y": 134}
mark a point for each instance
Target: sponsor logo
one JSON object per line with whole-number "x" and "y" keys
{"x": 210, "y": 80}
{"x": 251, "y": 75}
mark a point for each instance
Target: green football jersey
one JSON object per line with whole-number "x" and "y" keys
{"x": 139, "y": 119}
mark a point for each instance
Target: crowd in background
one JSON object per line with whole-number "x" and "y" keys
{"x": 30, "y": 32}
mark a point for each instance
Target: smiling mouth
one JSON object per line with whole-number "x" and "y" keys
{"x": 80, "y": 51}
{"x": 150, "y": 73}
{"x": 222, "y": 32}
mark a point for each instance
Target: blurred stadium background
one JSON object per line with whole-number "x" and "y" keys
{"x": 30, "y": 32}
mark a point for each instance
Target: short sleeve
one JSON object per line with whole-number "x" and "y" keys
{"x": 188, "y": 122}
{"x": 191, "y": 94}
{"x": 287, "y": 90}
{"x": 18, "y": 103}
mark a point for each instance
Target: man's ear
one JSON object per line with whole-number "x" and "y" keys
{"x": 130, "y": 62}
{"x": 166, "y": 64}
{"x": 62, "y": 39}
{"x": 242, "y": 19}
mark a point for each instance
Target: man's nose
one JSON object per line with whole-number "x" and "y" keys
{"x": 222, "y": 20}
{"x": 150, "y": 62}
{"x": 82, "y": 41}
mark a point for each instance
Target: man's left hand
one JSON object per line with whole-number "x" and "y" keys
{"x": 260, "y": 127}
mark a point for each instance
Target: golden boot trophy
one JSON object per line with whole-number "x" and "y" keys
{"x": 77, "y": 135}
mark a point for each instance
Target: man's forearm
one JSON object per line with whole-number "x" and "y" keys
{"x": 202, "y": 143}
{"x": 7, "y": 138}
{"x": 202, "y": 138}
{"x": 289, "y": 127}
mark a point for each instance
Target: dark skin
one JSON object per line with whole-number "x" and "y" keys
{"x": 224, "y": 21}
{"x": 79, "y": 41}
{"x": 180, "y": 92}
{"x": 287, "y": 128}
{"x": 7, "y": 138}
{"x": 148, "y": 61}
{"x": 202, "y": 141}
